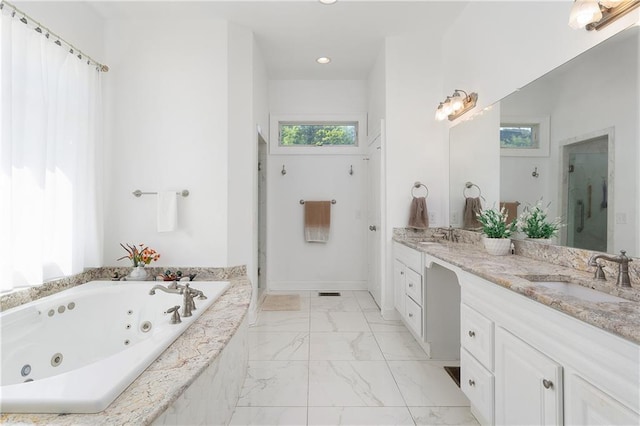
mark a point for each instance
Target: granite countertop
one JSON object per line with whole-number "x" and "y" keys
{"x": 620, "y": 318}
{"x": 174, "y": 370}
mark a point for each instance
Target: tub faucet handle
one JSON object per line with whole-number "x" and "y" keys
{"x": 175, "y": 317}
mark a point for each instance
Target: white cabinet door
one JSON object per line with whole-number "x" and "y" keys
{"x": 528, "y": 384}
{"x": 586, "y": 405}
{"x": 399, "y": 274}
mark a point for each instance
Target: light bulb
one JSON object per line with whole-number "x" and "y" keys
{"x": 440, "y": 115}
{"x": 456, "y": 102}
{"x": 447, "y": 108}
{"x": 584, "y": 12}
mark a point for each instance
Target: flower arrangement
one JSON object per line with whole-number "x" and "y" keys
{"x": 141, "y": 255}
{"x": 534, "y": 223}
{"x": 494, "y": 223}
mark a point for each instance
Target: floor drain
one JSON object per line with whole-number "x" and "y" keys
{"x": 56, "y": 359}
{"x": 329, "y": 293}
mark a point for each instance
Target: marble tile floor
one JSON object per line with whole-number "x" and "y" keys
{"x": 338, "y": 362}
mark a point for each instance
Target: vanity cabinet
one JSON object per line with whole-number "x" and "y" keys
{"x": 528, "y": 384}
{"x": 408, "y": 287}
{"x": 523, "y": 362}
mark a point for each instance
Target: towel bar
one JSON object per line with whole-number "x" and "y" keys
{"x": 418, "y": 185}
{"x": 469, "y": 185}
{"x": 332, "y": 201}
{"x": 138, "y": 193}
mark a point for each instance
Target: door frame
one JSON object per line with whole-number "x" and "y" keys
{"x": 563, "y": 180}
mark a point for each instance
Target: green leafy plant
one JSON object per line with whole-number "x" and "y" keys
{"x": 534, "y": 223}
{"x": 139, "y": 256}
{"x": 494, "y": 223}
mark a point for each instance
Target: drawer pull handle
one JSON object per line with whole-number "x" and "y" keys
{"x": 472, "y": 333}
{"x": 410, "y": 315}
{"x": 401, "y": 273}
{"x": 471, "y": 383}
{"x": 548, "y": 384}
{"x": 410, "y": 285}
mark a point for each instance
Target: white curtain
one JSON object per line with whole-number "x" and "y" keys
{"x": 50, "y": 224}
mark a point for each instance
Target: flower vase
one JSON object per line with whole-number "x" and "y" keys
{"x": 137, "y": 274}
{"x": 497, "y": 246}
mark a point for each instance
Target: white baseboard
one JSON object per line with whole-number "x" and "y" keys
{"x": 318, "y": 285}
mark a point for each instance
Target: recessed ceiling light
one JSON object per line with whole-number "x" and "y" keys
{"x": 327, "y": 1}
{"x": 323, "y": 60}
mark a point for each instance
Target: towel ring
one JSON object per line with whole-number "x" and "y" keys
{"x": 417, "y": 185}
{"x": 470, "y": 185}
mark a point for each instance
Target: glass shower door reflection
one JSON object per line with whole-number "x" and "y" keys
{"x": 587, "y": 206}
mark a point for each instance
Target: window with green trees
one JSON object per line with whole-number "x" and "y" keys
{"x": 318, "y": 134}
{"x": 519, "y": 136}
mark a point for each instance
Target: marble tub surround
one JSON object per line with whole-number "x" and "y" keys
{"x": 171, "y": 374}
{"x": 620, "y": 318}
{"x": 26, "y": 295}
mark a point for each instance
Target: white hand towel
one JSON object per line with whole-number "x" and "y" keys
{"x": 167, "y": 211}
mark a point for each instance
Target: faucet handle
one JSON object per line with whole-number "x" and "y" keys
{"x": 175, "y": 317}
{"x": 599, "y": 274}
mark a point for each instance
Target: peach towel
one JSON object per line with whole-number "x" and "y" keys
{"x": 512, "y": 209}
{"x": 317, "y": 221}
{"x": 418, "y": 215}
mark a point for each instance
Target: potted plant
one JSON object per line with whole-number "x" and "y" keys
{"x": 139, "y": 257}
{"x": 535, "y": 225}
{"x": 497, "y": 231}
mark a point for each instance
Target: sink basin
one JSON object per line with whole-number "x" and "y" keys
{"x": 563, "y": 285}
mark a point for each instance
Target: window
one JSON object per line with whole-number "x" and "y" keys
{"x": 523, "y": 136}
{"x": 519, "y": 136}
{"x": 318, "y": 134}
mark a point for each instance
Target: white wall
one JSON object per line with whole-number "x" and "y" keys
{"x": 416, "y": 150}
{"x": 376, "y": 88}
{"x": 168, "y": 111}
{"x": 292, "y": 262}
{"x": 495, "y": 47}
{"x": 474, "y": 160}
{"x": 242, "y": 151}
{"x": 76, "y": 22}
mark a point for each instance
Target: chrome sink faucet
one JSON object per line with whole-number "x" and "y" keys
{"x": 623, "y": 267}
{"x": 448, "y": 234}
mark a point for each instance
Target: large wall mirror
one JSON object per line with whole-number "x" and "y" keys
{"x": 570, "y": 138}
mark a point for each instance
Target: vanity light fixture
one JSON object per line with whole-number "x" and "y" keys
{"x": 327, "y": 1}
{"x": 323, "y": 60}
{"x": 595, "y": 15}
{"x": 456, "y": 105}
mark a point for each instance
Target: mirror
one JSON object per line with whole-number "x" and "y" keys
{"x": 584, "y": 120}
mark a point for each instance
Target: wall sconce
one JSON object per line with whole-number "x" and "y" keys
{"x": 595, "y": 15}
{"x": 456, "y": 105}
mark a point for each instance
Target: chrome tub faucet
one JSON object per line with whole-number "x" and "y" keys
{"x": 188, "y": 304}
{"x": 623, "y": 267}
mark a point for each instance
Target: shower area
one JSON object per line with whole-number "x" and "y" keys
{"x": 587, "y": 193}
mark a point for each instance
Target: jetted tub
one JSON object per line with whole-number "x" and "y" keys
{"x": 77, "y": 350}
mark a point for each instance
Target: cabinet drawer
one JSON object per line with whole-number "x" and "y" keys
{"x": 410, "y": 257}
{"x": 477, "y": 384}
{"x": 414, "y": 285}
{"x": 414, "y": 316}
{"x": 476, "y": 335}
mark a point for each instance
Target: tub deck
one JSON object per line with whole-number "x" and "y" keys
{"x": 160, "y": 385}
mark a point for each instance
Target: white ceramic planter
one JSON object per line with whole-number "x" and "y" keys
{"x": 497, "y": 246}
{"x": 137, "y": 274}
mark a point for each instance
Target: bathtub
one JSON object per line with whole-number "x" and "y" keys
{"x": 77, "y": 350}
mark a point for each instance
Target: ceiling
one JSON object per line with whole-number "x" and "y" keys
{"x": 292, "y": 34}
